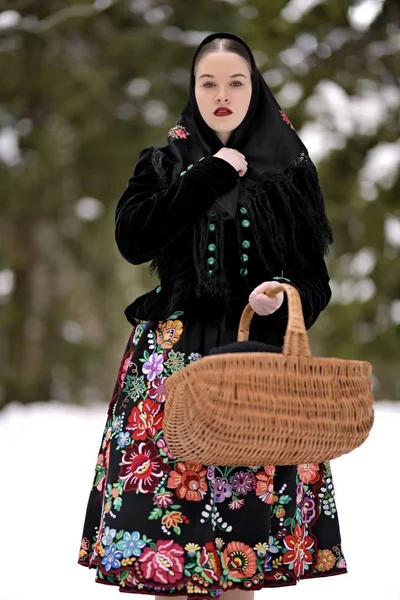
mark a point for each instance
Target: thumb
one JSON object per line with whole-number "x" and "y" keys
{"x": 262, "y": 287}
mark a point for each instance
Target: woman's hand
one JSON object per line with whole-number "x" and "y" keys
{"x": 234, "y": 158}
{"x": 264, "y": 305}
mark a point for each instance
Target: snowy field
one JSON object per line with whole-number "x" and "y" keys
{"x": 48, "y": 453}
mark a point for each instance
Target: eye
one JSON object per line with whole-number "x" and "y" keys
{"x": 236, "y": 83}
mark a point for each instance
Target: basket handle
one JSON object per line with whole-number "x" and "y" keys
{"x": 296, "y": 339}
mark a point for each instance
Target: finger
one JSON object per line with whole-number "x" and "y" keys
{"x": 257, "y": 297}
{"x": 267, "y": 294}
{"x": 262, "y": 287}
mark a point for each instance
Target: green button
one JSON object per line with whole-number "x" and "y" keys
{"x": 202, "y": 158}
{"x": 189, "y": 167}
{"x": 244, "y": 258}
{"x": 243, "y": 210}
{"x": 210, "y": 273}
{"x": 246, "y": 223}
{"x": 158, "y": 289}
{"x": 211, "y": 261}
{"x": 211, "y": 247}
{"x": 211, "y": 227}
{"x": 183, "y": 172}
{"x": 246, "y": 244}
{"x": 243, "y": 272}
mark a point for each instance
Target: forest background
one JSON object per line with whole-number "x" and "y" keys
{"x": 86, "y": 85}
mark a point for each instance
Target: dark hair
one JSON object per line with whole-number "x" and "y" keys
{"x": 223, "y": 45}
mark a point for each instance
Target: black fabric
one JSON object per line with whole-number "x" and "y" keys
{"x": 246, "y": 346}
{"x": 150, "y": 218}
{"x": 164, "y": 217}
{"x": 152, "y": 221}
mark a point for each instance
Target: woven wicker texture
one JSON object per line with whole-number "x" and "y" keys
{"x": 257, "y": 408}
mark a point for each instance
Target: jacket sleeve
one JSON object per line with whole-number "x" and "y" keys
{"x": 315, "y": 293}
{"x": 313, "y": 286}
{"x": 311, "y": 280}
{"x": 148, "y": 217}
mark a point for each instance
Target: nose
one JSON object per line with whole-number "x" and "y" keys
{"x": 222, "y": 97}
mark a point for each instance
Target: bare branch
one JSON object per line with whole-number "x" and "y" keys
{"x": 16, "y": 4}
{"x": 69, "y": 12}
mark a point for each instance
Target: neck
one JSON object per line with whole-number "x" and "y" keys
{"x": 224, "y": 136}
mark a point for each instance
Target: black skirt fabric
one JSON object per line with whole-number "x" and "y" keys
{"x": 155, "y": 525}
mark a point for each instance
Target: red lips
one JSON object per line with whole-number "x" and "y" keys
{"x": 222, "y": 110}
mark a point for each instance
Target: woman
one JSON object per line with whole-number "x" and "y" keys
{"x": 228, "y": 207}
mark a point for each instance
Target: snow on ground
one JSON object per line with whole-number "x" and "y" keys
{"x": 48, "y": 453}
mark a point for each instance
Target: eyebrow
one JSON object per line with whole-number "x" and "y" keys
{"x": 213, "y": 76}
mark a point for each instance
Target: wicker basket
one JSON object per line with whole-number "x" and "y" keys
{"x": 269, "y": 409}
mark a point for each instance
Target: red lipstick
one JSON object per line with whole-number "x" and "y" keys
{"x": 222, "y": 111}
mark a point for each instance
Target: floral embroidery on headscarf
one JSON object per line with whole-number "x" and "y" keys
{"x": 178, "y": 132}
{"x": 285, "y": 118}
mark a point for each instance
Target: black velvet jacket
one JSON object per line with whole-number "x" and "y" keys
{"x": 155, "y": 222}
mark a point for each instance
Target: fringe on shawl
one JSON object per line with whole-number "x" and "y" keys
{"x": 289, "y": 211}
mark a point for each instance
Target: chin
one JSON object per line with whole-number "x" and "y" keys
{"x": 232, "y": 127}
{"x": 220, "y": 128}
{"x": 226, "y": 129}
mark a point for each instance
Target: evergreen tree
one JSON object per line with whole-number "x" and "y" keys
{"x": 86, "y": 85}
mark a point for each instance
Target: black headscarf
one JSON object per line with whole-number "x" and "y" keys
{"x": 277, "y": 161}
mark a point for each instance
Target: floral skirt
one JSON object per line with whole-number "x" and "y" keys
{"x": 155, "y": 525}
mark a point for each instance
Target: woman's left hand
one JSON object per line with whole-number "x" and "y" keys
{"x": 264, "y": 305}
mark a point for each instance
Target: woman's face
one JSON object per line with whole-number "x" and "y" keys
{"x": 223, "y": 79}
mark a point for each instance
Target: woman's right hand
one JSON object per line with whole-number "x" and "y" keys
{"x": 234, "y": 158}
